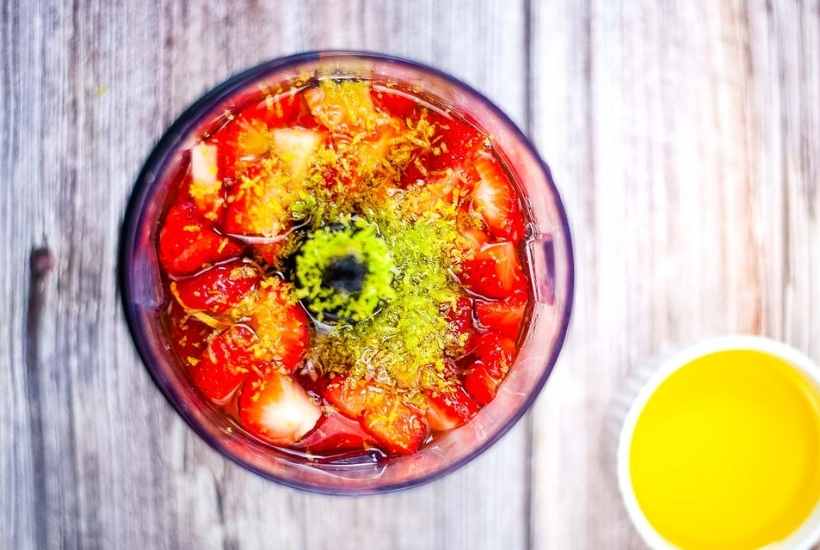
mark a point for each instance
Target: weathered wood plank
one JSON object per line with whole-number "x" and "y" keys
{"x": 86, "y": 89}
{"x": 685, "y": 140}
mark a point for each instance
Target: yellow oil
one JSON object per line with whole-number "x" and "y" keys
{"x": 726, "y": 453}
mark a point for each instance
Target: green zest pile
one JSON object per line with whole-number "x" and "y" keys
{"x": 403, "y": 345}
{"x": 358, "y": 244}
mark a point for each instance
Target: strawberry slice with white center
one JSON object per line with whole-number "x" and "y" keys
{"x": 504, "y": 317}
{"x": 450, "y": 409}
{"x": 494, "y": 198}
{"x": 205, "y": 188}
{"x": 277, "y": 409}
{"x": 495, "y": 271}
{"x": 296, "y": 147}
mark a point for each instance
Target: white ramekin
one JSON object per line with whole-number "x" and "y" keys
{"x": 802, "y": 539}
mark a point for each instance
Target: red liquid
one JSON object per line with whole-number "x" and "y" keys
{"x": 249, "y": 346}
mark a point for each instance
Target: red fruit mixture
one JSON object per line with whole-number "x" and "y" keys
{"x": 344, "y": 268}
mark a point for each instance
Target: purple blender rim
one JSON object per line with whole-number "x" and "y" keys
{"x": 156, "y": 163}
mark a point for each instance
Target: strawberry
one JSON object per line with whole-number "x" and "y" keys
{"x": 471, "y": 240}
{"x": 496, "y": 351}
{"x": 370, "y": 154}
{"x": 281, "y": 325}
{"x": 342, "y": 106}
{"x": 481, "y": 383}
{"x": 279, "y": 111}
{"x": 453, "y": 142}
{"x": 188, "y": 335}
{"x": 434, "y": 196}
{"x": 457, "y": 141}
{"x": 347, "y": 396}
{"x": 218, "y": 288}
{"x": 462, "y": 328}
{"x": 268, "y": 252}
{"x": 336, "y": 433}
{"x": 205, "y": 188}
{"x": 225, "y": 363}
{"x": 495, "y": 271}
{"x": 296, "y": 148}
{"x": 494, "y": 358}
{"x": 395, "y": 103}
{"x": 187, "y": 242}
{"x": 261, "y": 205}
{"x": 277, "y": 409}
{"x": 449, "y": 410}
{"x": 398, "y": 428}
{"x": 502, "y": 317}
{"x": 495, "y": 199}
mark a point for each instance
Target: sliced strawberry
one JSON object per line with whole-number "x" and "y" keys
{"x": 481, "y": 383}
{"x": 395, "y": 103}
{"x": 259, "y": 203}
{"x": 471, "y": 240}
{"x": 336, "y": 433}
{"x": 296, "y": 148}
{"x": 276, "y": 112}
{"x": 494, "y": 358}
{"x": 399, "y": 428}
{"x": 280, "y": 110}
{"x": 188, "y": 335}
{"x": 281, "y": 325}
{"x": 496, "y": 351}
{"x": 187, "y": 242}
{"x": 268, "y": 252}
{"x": 453, "y": 142}
{"x": 502, "y": 317}
{"x": 342, "y": 106}
{"x": 225, "y": 140}
{"x": 495, "y": 199}
{"x": 434, "y": 196}
{"x": 262, "y": 209}
{"x": 277, "y": 409}
{"x": 205, "y": 187}
{"x": 347, "y": 396}
{"x": 495, "y": 271}
{"x": 457, "y": 141}
{"x": 462, "y": 327}
{"x": 449, "y": 410}
{"x": 225, "y": 363}
{"x": 370, "y": 154}
{"x": 218, "y": 288}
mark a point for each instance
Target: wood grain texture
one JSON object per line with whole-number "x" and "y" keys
{"x": 685, "y": 138}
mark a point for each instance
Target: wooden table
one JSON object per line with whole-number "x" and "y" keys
{"x": 684, "y": 137}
